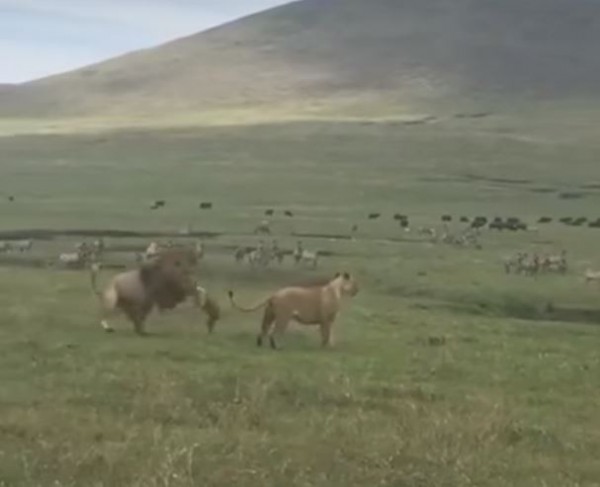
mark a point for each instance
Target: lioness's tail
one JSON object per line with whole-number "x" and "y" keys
{"x": 246, "y": 310}
{"x": 94, "y": 270}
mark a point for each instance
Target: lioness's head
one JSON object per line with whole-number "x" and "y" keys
{"x": 348, "y": 285}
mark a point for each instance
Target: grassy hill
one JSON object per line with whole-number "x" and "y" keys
{"x": 343, "y": 57}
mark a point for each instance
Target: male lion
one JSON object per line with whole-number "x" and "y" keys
{"x": 164, "y": 282}
{"x": 313, "y": 305}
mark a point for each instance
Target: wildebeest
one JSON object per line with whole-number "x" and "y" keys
{"x": 497, "y": 224}
{"x": 158, "y": 204}
{"x": 269, "y": 212}
{"x": 374, "y": 216}
{"x": 446, "y": 218}
{"x": 545, "y": 219}
{"x": 479, "y": 222}
{"x": 288, "y": 213}
{"x": 594, "y": 224}
{"x": 206, "y": 205}
{"x": 162, "y": 283}
{"x": 11, "y": 199}
{"x": 400, "y": 216}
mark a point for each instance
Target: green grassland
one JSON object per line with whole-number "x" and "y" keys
{"x": 446, "y": 371}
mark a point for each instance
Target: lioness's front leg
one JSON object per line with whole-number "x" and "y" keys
{"x": 327, "y": 334}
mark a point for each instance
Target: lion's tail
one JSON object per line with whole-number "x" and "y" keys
{"x": 257, "y": 306}
{"x": 94, "y": 270}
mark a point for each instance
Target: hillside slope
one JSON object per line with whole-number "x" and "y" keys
{"x": 410, "y": 53}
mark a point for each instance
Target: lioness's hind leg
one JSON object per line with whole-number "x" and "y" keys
{"x": 267, "y": 324}
{"x": 281, "y": 324}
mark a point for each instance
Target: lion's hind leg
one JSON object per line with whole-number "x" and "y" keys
{"x": 109, "y": 308}
{"x": 137, "y": 315}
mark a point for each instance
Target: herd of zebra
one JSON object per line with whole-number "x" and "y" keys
{"x": 19, "y": 246}
{"x": 262, "y": 255}
{"x": 534, "y": 264}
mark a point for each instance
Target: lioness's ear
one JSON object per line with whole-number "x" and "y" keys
{"x": 346, "y": 276}
{"x": 337, "y": 274}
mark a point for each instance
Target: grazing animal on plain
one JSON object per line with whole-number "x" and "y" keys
{"x": 277, "y": 252}
{"x": 74, "y": 260}
{"x": 374, "y": 216}
{"x": 479, "y": 222}
{"x": 304, "y": 256}
{"x": 446, "y": 218}
{"x": 269, "y": 212}
{"x": 240, "y": 253}
{"x": 530, "y": 265}
{"x": 288, "y": 213}
{"x": 206, "y": 205}
{"x": 152, "y": 250}
{"x": 514, "y": 263}
{"x": 258, "y": 256}
{"x": 86, "y": 251}
{"x": 317, "y": 305}
{"x": 99, "y": 246}
{"x": 310, "y": 259}
{"x": 545, "y": 219}
{"x": 11, "y": 199}
{"x": 591, "y": 276}
{"x": 199, "y": 250}
{"x": 263, "y": 228}
{"x": 555, "y": 263}
{"x": 158, "y": 204}
{"x": 22, "y": 245}
{"x": 427, "y": 231}
{"x": 163, "y": 283}
{"x": 405, "y": 225}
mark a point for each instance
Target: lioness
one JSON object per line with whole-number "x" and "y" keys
{"x": 164, "y": 282}
{"x": 316, "y": 305}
